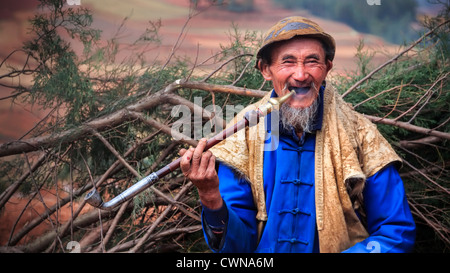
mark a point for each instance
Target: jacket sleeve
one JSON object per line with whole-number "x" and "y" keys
{"x": 240, "y": 226}
{"x": 389, "y": 220}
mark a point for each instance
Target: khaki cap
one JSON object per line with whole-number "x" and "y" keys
{"x": 290, "y": 27}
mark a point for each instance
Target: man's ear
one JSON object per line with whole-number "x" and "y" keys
{"x": 329, "y": 65}
{"x": 265, "y": 71}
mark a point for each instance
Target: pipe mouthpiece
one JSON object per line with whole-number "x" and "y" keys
{"x": 94, "y": 199}
{"x": 286, "y": 97}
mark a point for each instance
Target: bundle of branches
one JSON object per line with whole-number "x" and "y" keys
{"x": 111, "y": 122}
{"x": 408, "y": 97}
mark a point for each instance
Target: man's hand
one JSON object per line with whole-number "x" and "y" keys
{"x": 199, "y": 167}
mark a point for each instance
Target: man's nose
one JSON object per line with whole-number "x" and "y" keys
{"x": 300, "y": 73}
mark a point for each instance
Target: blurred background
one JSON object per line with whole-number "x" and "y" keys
{"x": 383, "y": 27}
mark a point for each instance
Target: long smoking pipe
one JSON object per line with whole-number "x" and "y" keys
{"x": 251, "y": 118}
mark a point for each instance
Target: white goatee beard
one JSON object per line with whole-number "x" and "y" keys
{"x": 301, "y": 119}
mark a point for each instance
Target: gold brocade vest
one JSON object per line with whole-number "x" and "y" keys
{"x": 348, "y": 149}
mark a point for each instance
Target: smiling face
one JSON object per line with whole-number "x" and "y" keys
{"x": 300, "y": 65}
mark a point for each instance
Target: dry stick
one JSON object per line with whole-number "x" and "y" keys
{"x": 429, "y": 97}
{"x": 134, "y": 234}
{"x": 430, "y": 223}
{"x": 122, "y": 209}
{"x": 395, "y": 58}
{"x": 118, "y": 117}
{"x": 409, "y": 127}
{"x": 101, "y": 123}
{"x": 223, "y": 64}
{"x": 427, "y": 93}
{"x": 381, "y": 93}
{"x": 115, "y": 153}
{"x": 112, "y": 227}
{"x": 68, "y": 224}
{"x": 200, "y": 111}
{"x": 115, "y": 222}
{"x": 128, "y": 244}
{"x": 47, "y": 210}
{"x": 13, "y": 240}
{"x": 25, "y": 229}
{"x": 93, "y": 235}
{"x": 445, "y": 190}
{"x": 163, "y": 155}
{"x": 417, "y": 143}
{"x": 144, "y": 238}
{"x": 436, "y": 169}
{"x": 43, "y": 241}
{"x": 40, "y": 122}
{"x": 164, "y": 128}
{"x": 135, "y": 173}
{"x": 229, "y": 89}
{"x": 177, "y": 204}
{"x": 36, "y": 221}
{"x": 71, "y": 200}
{"x": 6, "y": 195}
{"x": 242, "y": 72}
{"x": 396, "y": 101}
{"x": 124, "y": 163}
{"x": 113, "y": 168}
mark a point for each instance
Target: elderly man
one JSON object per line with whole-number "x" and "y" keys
{"x": 328, "y": 184}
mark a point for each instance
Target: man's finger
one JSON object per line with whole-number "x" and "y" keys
{"x": 211, "y": 171}
{"x": 185, "y": 163}
{"x": 198, "y": 153}
{"x": 182, "y": 151}
{"x": 204, "y": 162}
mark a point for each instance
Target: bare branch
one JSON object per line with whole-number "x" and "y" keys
{"x": 395, "y": 58}
{"x": 409, "y": 127}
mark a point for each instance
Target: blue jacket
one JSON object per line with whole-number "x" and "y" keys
{"x": 289, "y": 191}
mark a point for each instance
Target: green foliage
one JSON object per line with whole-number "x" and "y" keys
{"x": 59, "y": 79}
{"x": 240, "y": 71}
{"x": 415, "y": 90}
{"x": 411, "y": 89}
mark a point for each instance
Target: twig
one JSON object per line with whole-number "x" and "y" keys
{"x": 118, "y": 117}
{"x": 128, "y": 244}
{"x": 381, "y": 93}
{"x": 395, "y": 58}
{"x": 445, "y": 190}
{"x": 242, "y": 73}
{"x": 223, "y": 64}
{"x": 430, "y": 95}
{"x": 411, "y": 144}
{"x": 144, "y": 238}
{"x": 4, "y": 197}
{"x": 409, "y": 127}
{"x": 429, "y": 222}
{"x": 115, "y": 153}
{"x": 396, "y": 101}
